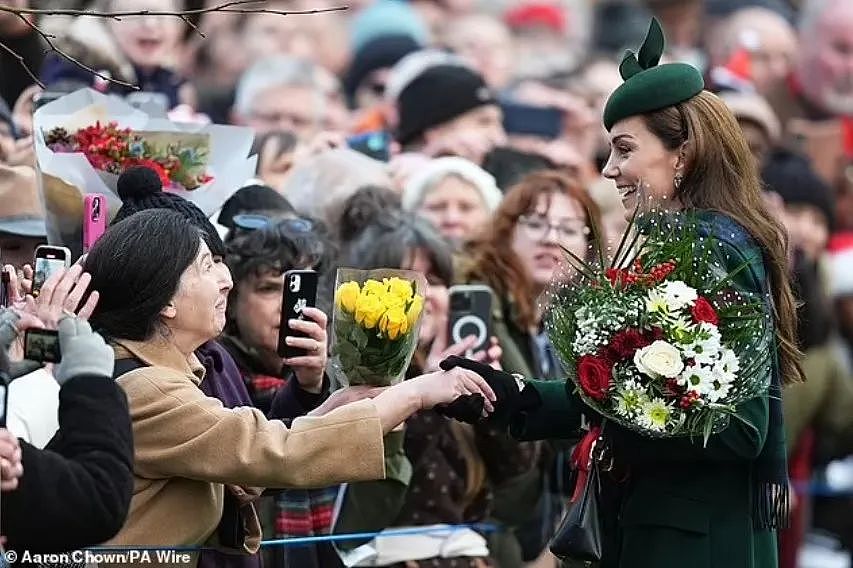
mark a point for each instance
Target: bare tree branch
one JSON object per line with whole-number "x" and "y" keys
{"x": 231, "y": 7}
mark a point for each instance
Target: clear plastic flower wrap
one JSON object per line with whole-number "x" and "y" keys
{"x": 83, "y": 140}
{"x": 660, "y": 336}
{"x": 375, "y": 325}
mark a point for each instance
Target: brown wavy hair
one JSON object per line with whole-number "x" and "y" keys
{"x": 493, "y": 259}
{"x": 721, "y": 175}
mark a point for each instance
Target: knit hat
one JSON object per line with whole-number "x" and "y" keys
{"x": 793, "y": 178}
{"x": 841, "y": 264}
{"x": 379, "y": 53}
{"x": 386, "y": 17}
{"x": 548, "y": 15}
{"x": 648, "y": 86}
{"x": 423, "y": 181}
{"x": 140, "y": 189}
{"x": 438, "y": 95}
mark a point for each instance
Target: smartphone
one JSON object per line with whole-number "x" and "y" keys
{"x": 48, "y": 260}
{"x": 300, "y": 291}
{"x": 528, "y": 120}
{"x": 94, "y": 219}
{"x": 42, "y": 345}
{"x": 5, "y": 289}
{"x": 376, "y": 145}
{"x": 470, "y": 314}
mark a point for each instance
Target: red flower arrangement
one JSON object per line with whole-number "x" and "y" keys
{"x": 109, "y": 148}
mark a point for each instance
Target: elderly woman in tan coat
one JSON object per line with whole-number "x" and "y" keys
{"x": 162, "y": 295}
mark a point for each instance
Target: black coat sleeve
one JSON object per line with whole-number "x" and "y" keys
{"x": 76, "y": 492}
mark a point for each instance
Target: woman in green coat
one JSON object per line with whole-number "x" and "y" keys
{"x": 676, "y": 502}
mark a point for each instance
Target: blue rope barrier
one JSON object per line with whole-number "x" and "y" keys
{"x": 371, "y": 535}
{"x": 299, "y": 541}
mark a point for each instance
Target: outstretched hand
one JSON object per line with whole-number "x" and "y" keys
{"x": 511, "y": 394}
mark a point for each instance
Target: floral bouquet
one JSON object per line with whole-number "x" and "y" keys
{"x": 179, "y": 162}
{"x": 661, "y": 340}
{"x": 375, "y": 325}
{"x": 85, "y": 139}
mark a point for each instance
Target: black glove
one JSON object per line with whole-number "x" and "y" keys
{"x": 511, "y": 397}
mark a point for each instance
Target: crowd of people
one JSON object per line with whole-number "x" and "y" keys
{"x": 462, "y": 139}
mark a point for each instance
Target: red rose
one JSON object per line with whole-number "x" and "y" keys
{"x": 703, "y": 311}
{"x": 625, "y": 343}
{"x": 594, "y": 376}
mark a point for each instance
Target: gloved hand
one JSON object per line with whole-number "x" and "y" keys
{"x": 8, "y": 328}
{"x": 512, "y": 397}
{"x": 84, "y": 352}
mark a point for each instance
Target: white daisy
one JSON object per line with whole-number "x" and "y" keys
{"x": 678, "y": 294}
{"x": 697, "y": 378}
{"x": 655, "y": 415}
{"x": 630, "y": 398}
{"x": 727, "y": 367}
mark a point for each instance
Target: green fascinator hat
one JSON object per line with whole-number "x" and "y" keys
{"x": 648, "y": 86}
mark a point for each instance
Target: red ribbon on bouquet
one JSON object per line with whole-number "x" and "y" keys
{"x": 582, "y": 460}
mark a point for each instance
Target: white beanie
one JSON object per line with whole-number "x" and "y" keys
{"x": 841, "y": 265}
{"x": 436, "y": 170}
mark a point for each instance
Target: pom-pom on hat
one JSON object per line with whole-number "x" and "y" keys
{"x": 140, "y": 189}
{"x": 648, "y": 86}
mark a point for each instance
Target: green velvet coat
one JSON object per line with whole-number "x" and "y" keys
{"x": 681, "y": 504}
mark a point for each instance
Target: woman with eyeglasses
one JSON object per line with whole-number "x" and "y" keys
{"x": 518, "y": 257}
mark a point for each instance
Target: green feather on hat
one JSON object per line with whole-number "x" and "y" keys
{"x": 648, "y": 86}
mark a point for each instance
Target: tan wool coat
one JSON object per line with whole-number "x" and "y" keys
{"x": 187, "y": 446}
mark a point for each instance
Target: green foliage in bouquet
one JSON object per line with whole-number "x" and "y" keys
{"x": 662, "y": 339}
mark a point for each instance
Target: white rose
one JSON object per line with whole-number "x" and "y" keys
{"x": 660, "y": 359}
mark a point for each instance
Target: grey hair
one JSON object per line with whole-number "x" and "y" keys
{"x": 279, "y": 71}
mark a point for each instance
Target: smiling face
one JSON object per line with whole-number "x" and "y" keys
{"x": 148, "y": 41}
{"x": 556, "y": 221}
{"x": 642, "y": 167}
{"x": 197, "y": 312}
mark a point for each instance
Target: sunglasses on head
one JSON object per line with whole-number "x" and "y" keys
{"x": 253, "y": 222}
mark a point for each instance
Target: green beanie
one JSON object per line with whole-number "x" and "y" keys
{"x": 648, "y": 86}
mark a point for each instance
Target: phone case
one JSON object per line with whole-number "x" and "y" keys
{"x": 42, "y": 270}
{"x": 94, "y": 219}
{"x": 470, "y": 314}
{"x": 300, "y": 291}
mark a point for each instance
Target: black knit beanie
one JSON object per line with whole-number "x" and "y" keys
{"x": 439, "y": 95}
{"x": 140, "y": 189}
{"x": 793, "y": 178}
{"x": 378, "y": 53}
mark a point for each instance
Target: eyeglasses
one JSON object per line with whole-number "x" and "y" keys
{"x": 538, "y": 227}
{"x": 253, "y": 222}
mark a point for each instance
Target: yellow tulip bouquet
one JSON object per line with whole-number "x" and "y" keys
{"x": 375, "y": 325}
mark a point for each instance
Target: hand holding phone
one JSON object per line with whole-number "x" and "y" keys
{"x": 49, "y": 259}
{"x": 300, "y": 292}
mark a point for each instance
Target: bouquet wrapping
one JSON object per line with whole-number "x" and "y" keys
{"x": 375, "y": 325}
{"x": 663, "y": 340}
{"x": 84, "y": 140}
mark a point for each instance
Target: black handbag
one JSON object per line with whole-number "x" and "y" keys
{"x": 579, "y": 535}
